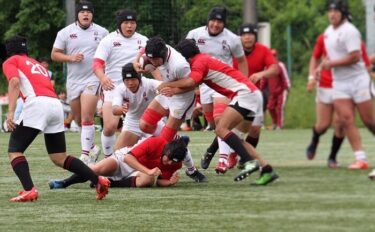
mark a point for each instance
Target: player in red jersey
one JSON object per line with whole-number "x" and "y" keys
{"x": 138, "y": 166}
{"x": 42, "y": 112}
{"x": 245, "y": 105}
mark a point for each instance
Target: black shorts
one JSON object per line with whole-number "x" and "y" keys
{"x": 246, "y": 114}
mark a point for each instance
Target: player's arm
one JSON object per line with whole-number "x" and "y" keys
{"x": 98, "y": 68}
{"x": 271, "y": 71}
{"x": 13, "y": 93}
{"x": 177, "y": 87}
{"x": 314, "y": 71}
{"x": 134, "y": 163}
{"x": 349, "y": 59}
{"x": 59, "y": 55}
{"x": 168, "y": 182}
{"x": 242, "y": 65}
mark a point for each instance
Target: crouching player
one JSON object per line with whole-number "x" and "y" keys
{"x": 152, "y": 159}
{"x": 42, "y": 112}
{"x": 246, "y": 103}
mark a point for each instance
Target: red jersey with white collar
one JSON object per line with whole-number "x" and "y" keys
{"x": 149, "y": 154}
{"x": 34, "y": 78}
{"x": 219, "y": 76}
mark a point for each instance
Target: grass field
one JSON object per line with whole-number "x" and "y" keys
{"x": 307, "y": 197}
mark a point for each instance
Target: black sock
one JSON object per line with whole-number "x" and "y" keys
{"x": 73, "y": 179}
{"x": 235, "y": 143}
{"x": 126, "y": 182}
{"x": 78, "y": 167}
{"x": 315, "y": 137}
{"x": 188, "y": 122}
{"x": 253, "y": 141}
{"x": 266, "y": 169}
{"x": 21, "y": 168}
{"x": 214, "y": 146}
{"x": 336, "y": 144}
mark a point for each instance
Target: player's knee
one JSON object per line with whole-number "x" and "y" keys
{"x": 144, "y": 181}
{"x": 146, "y": 127}
{"x": 254, "y": 131}
{"x": 58, "y": 159}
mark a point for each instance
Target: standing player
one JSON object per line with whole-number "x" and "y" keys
{"x": 42, "y": 112}
{"x": 114, "y": 51}
{"x": 245, "y": 105}
{"x": 219, "y": 42}
{"x": 172, "y": 66}
{"x": 352, "y": 87}
{"x": 76, "y": 45}
{"x": 138, "y": 166}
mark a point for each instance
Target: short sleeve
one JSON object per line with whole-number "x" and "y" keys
{"x": 60, "y": 41}
{"x": 104, "y": 49}
{"x": 10, "y": 68}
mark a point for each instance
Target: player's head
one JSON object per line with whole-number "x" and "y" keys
{"x": 131, "y": 78}
{"x": 248, "y": 34}
{"x": 126, "y": 22}
{"x": 17, "y": 45}
{"x": 84, "y": 13}
{"x": 175, "y": 150}
{"x": 338, "y": 11}
{"x": 156, "y": 50}
{"x": 216, "y": 20}
{"x": 188, "y": 48}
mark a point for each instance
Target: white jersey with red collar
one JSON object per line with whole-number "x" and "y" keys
{"x": 219, "y": 76}
{"x": 73, "y": 40}
{"x": 116, "y": 51}
{"x": 339, "y": 42}
{"x": 222, "y": 46}
{"x": 34, "y": 78}
{"x": 138, "y": 101}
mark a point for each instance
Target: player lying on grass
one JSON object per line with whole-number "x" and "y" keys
{"x": 152, "y": 159}
{"x": 42, "y": 112}
{"x": 246, "y": 103}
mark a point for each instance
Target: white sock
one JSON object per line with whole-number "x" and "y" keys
{"x": 189, "y": 162}
{"x": 87, "y": 138}
{"x": 107, "y": 144}
{"x": 224, "y": 148}
{"x": 360, "y": 155}
{"x": 223, "y": 158}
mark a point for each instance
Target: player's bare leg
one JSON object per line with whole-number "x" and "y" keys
{"x": 126, "y": 139}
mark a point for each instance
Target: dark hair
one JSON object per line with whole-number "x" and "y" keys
{"x": 16, "y": 45}
{"x": 341, "y": 6}
{"x": 188, "y": 48}
{"x": 175, "y": 150}
{"x": 128, "y": 72}
{"x": 156, "y": 47}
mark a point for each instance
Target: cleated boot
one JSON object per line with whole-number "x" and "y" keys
{"x": 250, "y": 167}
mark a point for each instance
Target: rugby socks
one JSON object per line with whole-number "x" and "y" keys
{"x": 235, "y": 143}
{"x": 335, "y": 147}
{"x": 266, "y": 169}
{"x": 126, "y": 182}
{"x": 315, "y": 137}
{"x": 168, "y": 133}
{"x": 73, "y": 179}
{"x": 21, "y": 168}
{"x": 189, "y": 162}
{"x": 253, "y": 141}
{"x": 87, "y": 137}
{"x": 224, "y": 151}
{"x": 107, "y": 144}
{"x": 360, "y": 155}
{"x": 78, "y": 167}
{"x": 223, "y": 158}
{"x": 214, "y": 146}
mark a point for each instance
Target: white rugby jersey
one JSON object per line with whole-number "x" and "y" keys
{"x": 174, "y": 68}
{"x": 73, "y": 40}
{"x": 138, "y": 101}
{"x": 339, "y": 43}
{"x": 223, "y": 46}
{"x": 116, "y": 51}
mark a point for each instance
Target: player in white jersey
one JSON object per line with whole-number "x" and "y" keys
{"x": 172, "y": 66}
{"x": 114, "y": 51}
{"x": 223, "y": 44}
{"x": 352, "y": 87}
{"x": 76, "y": 45}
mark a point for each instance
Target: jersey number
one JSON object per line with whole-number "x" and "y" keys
{"x": 37, "y": 69}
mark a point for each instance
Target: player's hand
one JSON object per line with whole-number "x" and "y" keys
{"x": 154, "y": 172}
{"x": 326, "y": 64}
{"x": 76, "y": 58}
{"x": 310, "y": 85}
{"x": 167, "y": 91}
{"x": 106, "y": 83}
{"x": 125, "y": 107}
{"x": 256, "y": 77}
{"x": 161, "y": 86}
{"x": 138, "y": 68}
{"x": 10, "y": 121}
{"x": 174, "y": 178}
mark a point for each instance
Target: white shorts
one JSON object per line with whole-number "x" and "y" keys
{"x": 253, "y": 102}
{"x": 358, "y": 89}
{"x": 108, "y": 94}
{"x": 132, "y": 126}
{"x": 74, "y": 90}
{"x": 206, "y": 94}
{"x": 180, "y": 106}
{"x": 324, "y": 95}
{"x": 43, "y": 113}
{"x": 123, "y": 169}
